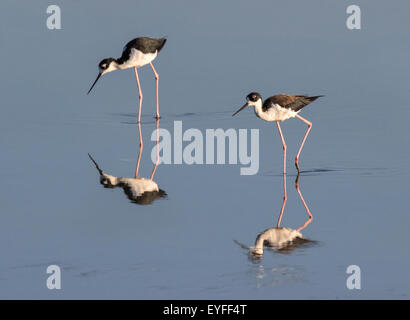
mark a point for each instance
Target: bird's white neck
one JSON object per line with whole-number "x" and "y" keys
{"x": 114, "y": 65}
{"x": 118, "y": 66}
{"x": 257, "y": 107}
{"x": 113, "y": 181}
{"x": 258, "y": 247}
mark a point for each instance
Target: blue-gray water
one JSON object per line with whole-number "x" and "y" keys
{"x": 54, "y": 211}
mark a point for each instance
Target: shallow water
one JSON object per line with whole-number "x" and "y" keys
{"x": 354, "y": 164}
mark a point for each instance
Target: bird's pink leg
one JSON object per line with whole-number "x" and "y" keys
{"x": 139, "y": 94}
{"x": 139, "y": 121}
{"x": 285, "y": 197}
{"x": 140, "y": 150}
{"x": 284, "y": 147}
{"x": 156, "y": 83}
{"x": 309, "y": 220}
{"x": 284, "y": 176}
{"x": 157, "y": 161}
{"x": 303, "y": 141}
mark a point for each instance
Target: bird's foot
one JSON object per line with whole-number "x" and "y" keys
{"x": 297, "y": 180}
{"x": 297, "y": 165}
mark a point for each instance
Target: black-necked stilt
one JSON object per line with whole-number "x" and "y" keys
{"x": 136, "y": 53}
{"x": 138, "y": 190}
{"x": 277, "y": 108}
{"x": 280, "y": 238}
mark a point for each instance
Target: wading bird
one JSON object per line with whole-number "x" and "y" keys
{"x": 137, "y": 53}
{"x": 138, "y": 190}
{"x": 279, "y": 108}
{"x": 280, "y": 239}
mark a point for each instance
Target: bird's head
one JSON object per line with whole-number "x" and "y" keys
{"x": 108, "y": 181}
{"x": 253, "y": 99}
{"x": 105, "y": 66}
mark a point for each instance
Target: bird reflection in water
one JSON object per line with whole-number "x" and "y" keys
{"x": 139, "y": 190}
{"x": 281, "y": 239}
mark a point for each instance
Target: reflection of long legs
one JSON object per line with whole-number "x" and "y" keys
{"x": 285, "y": 197}
{"x": 139, "y": 121}
{"x": 284, "y": 175}
{"x": 156, "y": 163}
{"x": 140, "y": 150}
{"x": 309, "y": 220}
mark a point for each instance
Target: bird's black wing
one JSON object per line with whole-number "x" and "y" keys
{"x": 143, "y": 44}
{"x": 288, "y": 101}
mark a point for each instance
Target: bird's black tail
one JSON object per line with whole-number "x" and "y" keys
{"x": 161, "y": 44}
{"x": 311, "y": 99}
{"x": 302, "y": 101}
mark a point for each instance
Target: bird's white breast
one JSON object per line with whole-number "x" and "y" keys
{"x": 138, "y": 59}
{"x": 281, "y": 236}
{"x": 139, "y": 185}
{"x": 277, "y": 238}
{"x": 275, "y": 113}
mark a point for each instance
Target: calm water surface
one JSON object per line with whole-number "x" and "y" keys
{"x": 355, "y": 173}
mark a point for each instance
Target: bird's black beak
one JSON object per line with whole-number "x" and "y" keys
{"x": 243, "y": 107}
{"x": 96, "y": 165}
{"x": 98, "y": 77}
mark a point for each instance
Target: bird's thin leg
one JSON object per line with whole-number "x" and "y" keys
{"x": 284, "y": 175}
{"x": 309, "y": 220}
{"x": 156, "y": 83}
{"x": 139, "y": 94}
{"x": 139, "y": 121}
{"x": 157, "y": 161}
{"x": 303, "y": 141}
{"x": 140, "y": 150}
{"x": 285, "y": 197}
{"x": 284, "y": 147}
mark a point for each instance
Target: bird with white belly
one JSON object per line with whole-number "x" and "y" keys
{"x": 136, "y": 53}
{"x": 277, "y": 108}
{"x": 138, "y": 190}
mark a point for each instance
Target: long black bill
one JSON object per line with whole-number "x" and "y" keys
{"x": 98, "y": 77}
{"x": 96, "y": 165}
{"x": 243, "y": 107}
